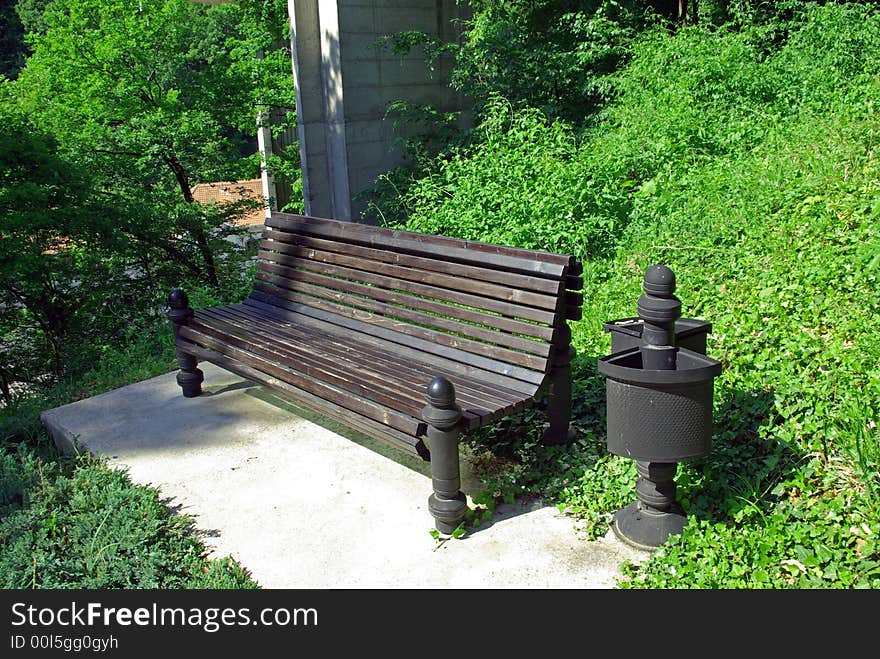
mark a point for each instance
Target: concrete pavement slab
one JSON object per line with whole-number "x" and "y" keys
{"x": 303, "y": 505}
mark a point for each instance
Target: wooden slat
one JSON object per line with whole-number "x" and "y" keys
{"x": 377, "y": 304}
{"x": 272, "y": 238}
{"x": 509, "y": 326}
{"x": 403, "y": 422}
{"x": 356, "y": 377}
{"x": 364, "y": 312}
{"x": 383, "y": 391}
{"x": 371, "y": 428}
{"x": 389, "y": 283}
{"x": 276, "y": 251}
{"x": 403, "y": 379}
{"x": 542, "y": 264}
{"x": 394, "y": 364}
{"x": 329, "y": 323}
{"x": 421, "y": 345}
{"x": 483, "y": 393}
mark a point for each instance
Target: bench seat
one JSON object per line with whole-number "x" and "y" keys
{"x": 351, "y": 375}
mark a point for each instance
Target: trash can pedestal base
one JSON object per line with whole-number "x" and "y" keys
{"x": 646, "y": 528}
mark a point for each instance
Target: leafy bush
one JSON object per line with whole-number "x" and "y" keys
{"x": 151, "y": 100}
{"x": 61, "y": 271}
{"x": 755, "y": 178}
{"x": 523, "y": 184}
{"x": 89, "y": 527}
{"x": 550, "y": 54}
{"x": 825, "y": 64}
{"x": 685, "y": 98}
{"x": 100, "y": 149}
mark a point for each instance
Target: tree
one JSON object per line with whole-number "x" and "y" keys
{"x": 153, "y": 96}
{"x": 56, "y": 237}
{"x": 12, "y": 50}
{"x": 30, "y": 13}
{"x": 551, "y": 54}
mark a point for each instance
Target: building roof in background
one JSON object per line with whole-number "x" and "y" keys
{"x": 229, "y": 191}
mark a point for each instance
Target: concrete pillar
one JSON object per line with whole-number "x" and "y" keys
{"x": 264, "y": 144}
{"x": 344, "y": 84}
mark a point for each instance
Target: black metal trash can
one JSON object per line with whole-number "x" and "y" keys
{"x": 659, "y": 389}
{"x": 659, "y": 416}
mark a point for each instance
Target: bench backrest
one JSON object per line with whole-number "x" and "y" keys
{"x": 495, "y": 308}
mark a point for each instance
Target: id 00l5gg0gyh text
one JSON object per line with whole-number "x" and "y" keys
{"x": 82, "y": 643}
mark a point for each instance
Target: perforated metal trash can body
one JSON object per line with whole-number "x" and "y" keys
{"x": 659, "y": 415}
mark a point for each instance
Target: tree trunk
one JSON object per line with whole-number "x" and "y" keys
{"x": 679, "y": 11}
{"x": 691, "y": 13}
{"x": 5, "y": 390}
{"x": 199, "y": 235}
{"x": 51, "y": 319}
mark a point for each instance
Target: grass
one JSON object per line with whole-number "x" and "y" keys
{"x": 74, "y": 522}
{"x": 79, "y": 524}
{"x": 756, "y": 180}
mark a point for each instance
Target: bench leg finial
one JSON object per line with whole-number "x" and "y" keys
{"x": 189, "y": 377}
{"x": 447, "y": 504}
{"x": 559, "y": 398}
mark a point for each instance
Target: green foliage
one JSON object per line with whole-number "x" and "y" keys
{"x": 57, "y": 244}
{"x": 30, "y": 12}
{"x": 549, "y": 54}
{"x": 685, "y": 99}
{"x": 121, "y": 108}
{"x": 753, "y": 174}
{"x": 154, "y": 97}
{"x": 555, "y": 56}
{"x": 690, "y": 97}
{"x": 12, "y": 51}
{"x": 811, "y": 537}
{"x": 561, "y": 57}
{"x": 89, "y": 527}
{"x": 505, "y": 190}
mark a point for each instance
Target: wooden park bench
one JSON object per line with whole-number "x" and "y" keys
{"x": 402, "y": 336}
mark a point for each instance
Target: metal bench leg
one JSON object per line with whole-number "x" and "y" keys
{"x": 189, "y": 378}
{"x": 447, "y": 504}
{"x": 559, "y": 400}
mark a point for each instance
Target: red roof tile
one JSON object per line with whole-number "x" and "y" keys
{"x": 230, "y": 191}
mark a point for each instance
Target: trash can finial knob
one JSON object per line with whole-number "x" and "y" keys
{"x": 659, "y": 281}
